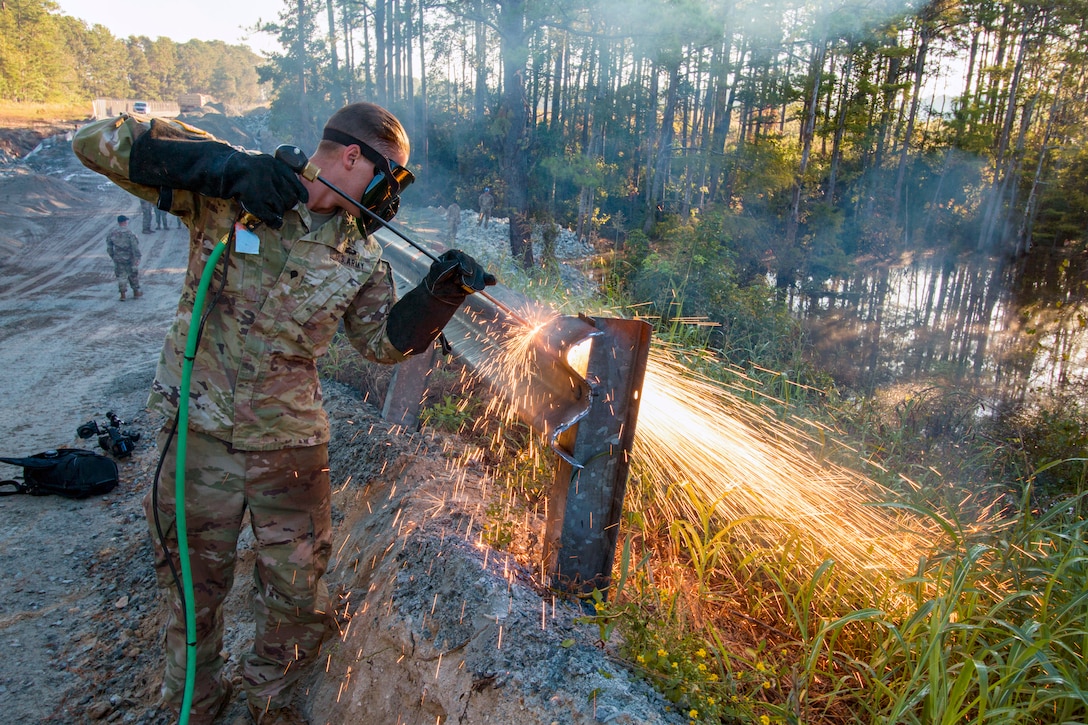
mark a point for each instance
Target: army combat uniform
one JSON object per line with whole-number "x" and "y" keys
{"x": 487, "y": 205}
{"x": 124, "y": 250}
{"x": 258, "y": 434}
{"x": 453, "y": 222}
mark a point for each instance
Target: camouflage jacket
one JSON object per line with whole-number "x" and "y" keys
{"x": 254, "y": 382}
{"x": 123, "y": 247}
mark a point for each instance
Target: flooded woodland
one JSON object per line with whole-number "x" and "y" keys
{"x": 1009, "y": 333}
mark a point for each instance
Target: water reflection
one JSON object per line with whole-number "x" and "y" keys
{"x": 1009, "y": 331}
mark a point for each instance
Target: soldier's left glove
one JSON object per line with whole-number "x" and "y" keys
{"x": 417, "y": 318}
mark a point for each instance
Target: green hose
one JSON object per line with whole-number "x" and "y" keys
{"x": 188, "y": 595}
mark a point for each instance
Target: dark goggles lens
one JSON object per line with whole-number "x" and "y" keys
{"x": 383, "y": 197}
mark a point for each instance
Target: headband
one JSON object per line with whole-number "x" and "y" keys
{"x": 346, "y": 139}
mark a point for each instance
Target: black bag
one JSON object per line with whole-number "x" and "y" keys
{"x": 68, "y": 472}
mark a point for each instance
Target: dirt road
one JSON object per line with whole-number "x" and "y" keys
{"x": 71, "y": 351}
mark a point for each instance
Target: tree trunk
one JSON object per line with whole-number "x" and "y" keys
{"x": 381, "y": 74}
{"x": 840, "y": 129}
{"x": 904, "y": 151}
{"x": 422, "y": 106}
{"x": 1027, "y": 224}
{"x": 1003, "y": 165}
{"x": 481, "y": 63}
{"x": 662, "y": 159}
{"x": 808, "y": 128}
{"x": 337, "y": 87}
{"x": 515, "y": 113}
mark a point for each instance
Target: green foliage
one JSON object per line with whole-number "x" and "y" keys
{"x": 990, "y": 628}
{"x": 449, "y": 414}
{"x": 34, "y": 64}
{"x": 1064, "y": 214}
{"x": 689, "y": 274}
{"x": 1046, "y": 443}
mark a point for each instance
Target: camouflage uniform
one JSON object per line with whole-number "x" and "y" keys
{"x": 487, "y": 205}
{"x": 453, "y": 222}
{"x": 258, "y": 432}
{"x": 147, "y": 210}
{"x": 124, "y": 250}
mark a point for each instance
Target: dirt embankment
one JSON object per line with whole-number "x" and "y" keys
{"x": 17, "y": 142}
{"x": 437, "y": 627}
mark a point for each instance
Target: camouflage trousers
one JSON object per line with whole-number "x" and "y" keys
{"x": 125, "y": 271}
{"x": 287, "y": 494}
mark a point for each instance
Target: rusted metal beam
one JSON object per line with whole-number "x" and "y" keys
{"x": 586, "y": 502}
{"x": 407, "y": 388}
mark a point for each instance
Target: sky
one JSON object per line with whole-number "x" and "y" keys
{"x": 200, "y": 19}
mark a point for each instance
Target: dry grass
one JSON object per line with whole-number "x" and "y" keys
{"x": 29, "y": 115}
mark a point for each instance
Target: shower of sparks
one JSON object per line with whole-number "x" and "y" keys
{"x": 704, "y": 445}
{"x": 700, "y": 444}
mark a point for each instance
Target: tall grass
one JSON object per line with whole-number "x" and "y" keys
{"x": 991, "y": 627}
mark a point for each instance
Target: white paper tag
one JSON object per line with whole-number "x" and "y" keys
{"x": 245, "y": 241}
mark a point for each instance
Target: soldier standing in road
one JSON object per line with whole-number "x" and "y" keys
{"x": 487, "y": 204}
{"x": 124, "y": 250}
{"x": 146, "y": 209}
{"x": 453, "y": 221}
{"x": 162, "y": 219}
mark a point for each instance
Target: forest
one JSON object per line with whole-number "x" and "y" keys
{"x": 866, "y": 216}
{"x": 810, "y": 132}
{"x": 46, "y": 56}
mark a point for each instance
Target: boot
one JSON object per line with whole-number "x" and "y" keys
{"x": 136, "y": 294}
{"x": 122, "y": 295}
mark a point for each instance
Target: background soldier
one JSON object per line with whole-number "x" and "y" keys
{"x": 124, "y": 250}
{"x": 487, "y": 204}
{"x": 162, "y": 219}
{"x": 146, "y": 209}
{"x": 453, "y": 222}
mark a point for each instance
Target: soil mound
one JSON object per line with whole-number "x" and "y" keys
{"x": 27, "y": 193}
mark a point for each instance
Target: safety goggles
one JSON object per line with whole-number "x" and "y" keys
{"x": 382, "y": 194}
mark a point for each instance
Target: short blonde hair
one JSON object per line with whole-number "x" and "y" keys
{"x": 371, "y": 124}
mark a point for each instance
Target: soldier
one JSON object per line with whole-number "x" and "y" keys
{"x": 146, "y": 210}
{"x": 124, "y": 250}
{"x": 162, "y": 219}
{"x": 258, "y": 436}
{"x": 453, "y": 222}
{"x": 487, "y": 204}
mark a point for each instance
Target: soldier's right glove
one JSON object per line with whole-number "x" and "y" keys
{"x": 165, "y": 157}
{"x": 417, "y": 318}
{"x": 456, "y": 275}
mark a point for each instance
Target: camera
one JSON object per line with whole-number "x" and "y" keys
{"x": 119, "y": 442}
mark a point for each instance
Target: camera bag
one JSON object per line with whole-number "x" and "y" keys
{"x": 68, "y": 472}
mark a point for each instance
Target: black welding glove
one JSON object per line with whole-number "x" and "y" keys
{"x": 455, "y": 275}
{"x": 418, "y": 317}
{"x": 166, "y": 157}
